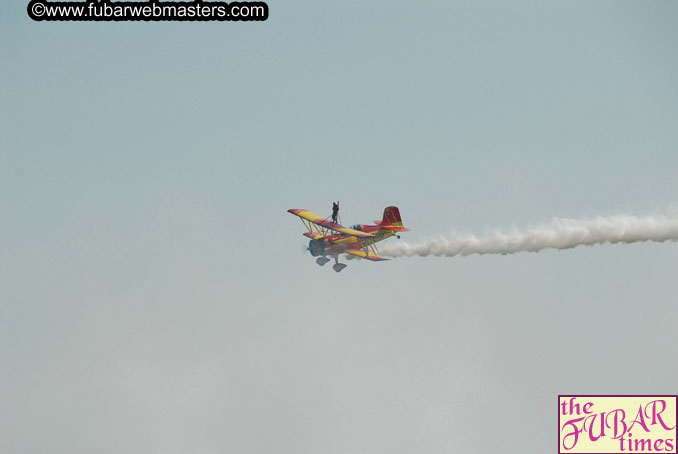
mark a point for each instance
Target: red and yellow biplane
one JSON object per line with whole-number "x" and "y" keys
{"x": 331, "y": 239}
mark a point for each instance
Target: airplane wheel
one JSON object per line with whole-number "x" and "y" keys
{"x": 322, "y": 261}
{"x": 338, "y": 267}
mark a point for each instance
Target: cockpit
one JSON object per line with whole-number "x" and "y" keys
{"x": 356, "y": 227}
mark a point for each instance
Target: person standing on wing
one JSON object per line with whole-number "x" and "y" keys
{"x": 335, "y": 211}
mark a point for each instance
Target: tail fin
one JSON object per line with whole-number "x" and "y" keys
{"x": 391, "y": 217}
{"x": 392, "y": 220}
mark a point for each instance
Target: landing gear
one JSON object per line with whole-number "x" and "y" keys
{"x": 322, "y": 261}
{"x": 338, "y": 266}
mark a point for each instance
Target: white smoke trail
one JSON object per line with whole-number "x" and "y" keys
{"x": 559, "y": 234}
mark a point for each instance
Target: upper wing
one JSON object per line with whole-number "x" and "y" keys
{"x": 362, "y": 254}
{"x": 321, "y": 221}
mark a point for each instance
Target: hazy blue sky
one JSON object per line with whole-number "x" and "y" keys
{"x": 155, "y": 297}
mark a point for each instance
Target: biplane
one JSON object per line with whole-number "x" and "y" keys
{"x": 331, "y": 239}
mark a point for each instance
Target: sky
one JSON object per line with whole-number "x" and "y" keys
{"x": 155, "y": 296}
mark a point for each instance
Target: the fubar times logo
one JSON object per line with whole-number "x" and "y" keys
{"x": 602, "y": 424}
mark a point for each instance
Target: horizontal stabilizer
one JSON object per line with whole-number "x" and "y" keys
{"x": 395, "y": 228}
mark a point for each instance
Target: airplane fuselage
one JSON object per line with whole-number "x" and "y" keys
{"x": 334, "y": 245}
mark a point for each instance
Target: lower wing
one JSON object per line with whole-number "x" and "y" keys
{"x": 364, "y": 255}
